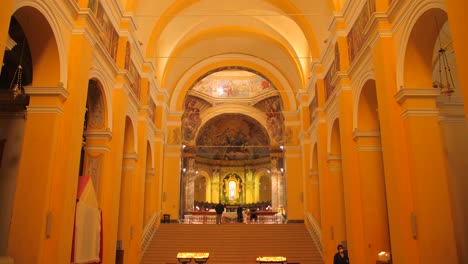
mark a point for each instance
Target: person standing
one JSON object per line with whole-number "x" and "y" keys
{"x": 219, "y": 212}
{"x": 240, "y": 216}
{"x": 341, "y": 257}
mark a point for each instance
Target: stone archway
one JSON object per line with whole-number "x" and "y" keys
{"x": 233, "y": 126}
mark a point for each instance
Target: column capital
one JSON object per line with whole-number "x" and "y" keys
{"x": 46, "y": 99}
{"x": 130, "y": 156}
{"x": 333, "y": 157}
{"x": 365, "y": 133}
{"x": 47, "y": 91}
{"x": 416, "y": 93}
{"x": 98, "y": 134}
{"x": 418, "y": 102}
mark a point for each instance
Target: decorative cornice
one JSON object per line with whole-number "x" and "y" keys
{"x": 360, "y": 133}
{"x": 407, "y": 93}
{"x": 58, "y": 91}
{"x": 337, "y": 18}
{"x": 369, "y": 149}
{"x": 129, "y": 168}
{"x": 97, "y": 134}
{"x": 335, "y": 169}
{"x": 149, "y": 180}
{"x": 130, "y": 156}
{"x": 419, "y": 112}
{"x": 377, "y": 33}
{"x": 332, "y": 157}
{"x": 98, "y": 149}
{"x": 45, "y": 110}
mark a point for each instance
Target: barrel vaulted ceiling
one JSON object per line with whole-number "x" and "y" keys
{"x": 278, "y": 38}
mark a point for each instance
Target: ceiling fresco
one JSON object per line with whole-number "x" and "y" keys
{"x": 233, "y": 84}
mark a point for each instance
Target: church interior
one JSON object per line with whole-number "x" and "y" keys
{"x": 347, "y": 116}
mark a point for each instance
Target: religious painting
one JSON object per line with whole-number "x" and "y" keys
{"x": 233, "y": 84}
{"x": 107, "y": 34}
{"x": 328, "y": 81}
{"x": 232, "y": 188}
{"x": 233, "y": 137}
{"x": 128, "y": 51}
{"x": 272, "y": 108}
{"x": 191, "y": 118}
{"x": 357, "y": 36}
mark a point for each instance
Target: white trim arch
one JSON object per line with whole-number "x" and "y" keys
{"x": 329, "y": 132}
{"x": 416, "y": 10}
{"x": 151, "y": 151}
{"x": 98, "y": 74}
{"x": 357, "y": 91}
{"x": 135, "y": 133}
{"x": 283, "y": 86}
{"x": 50, "y": 15}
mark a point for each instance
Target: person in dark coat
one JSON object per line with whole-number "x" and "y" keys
{"x": 240, "y": 217}
{"x": 341, "y": 257}
{"x": 219, "y": 208}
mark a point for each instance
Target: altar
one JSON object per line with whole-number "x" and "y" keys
{"x": 209, "y": 217}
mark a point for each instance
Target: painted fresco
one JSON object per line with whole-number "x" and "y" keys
{"x": 239, "y": 84}
{"x": 275, "y": 120}
{"x": 358, "y": 35}
{"x": 191, "y": 118}
{"x": 233, "y": 137}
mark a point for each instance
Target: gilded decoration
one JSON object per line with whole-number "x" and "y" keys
{"x": 232, "y": 188}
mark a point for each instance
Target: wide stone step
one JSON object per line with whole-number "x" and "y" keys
{"x": 233, "y": 243}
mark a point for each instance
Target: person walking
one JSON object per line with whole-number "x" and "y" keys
{"x": 219, "y": 212}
